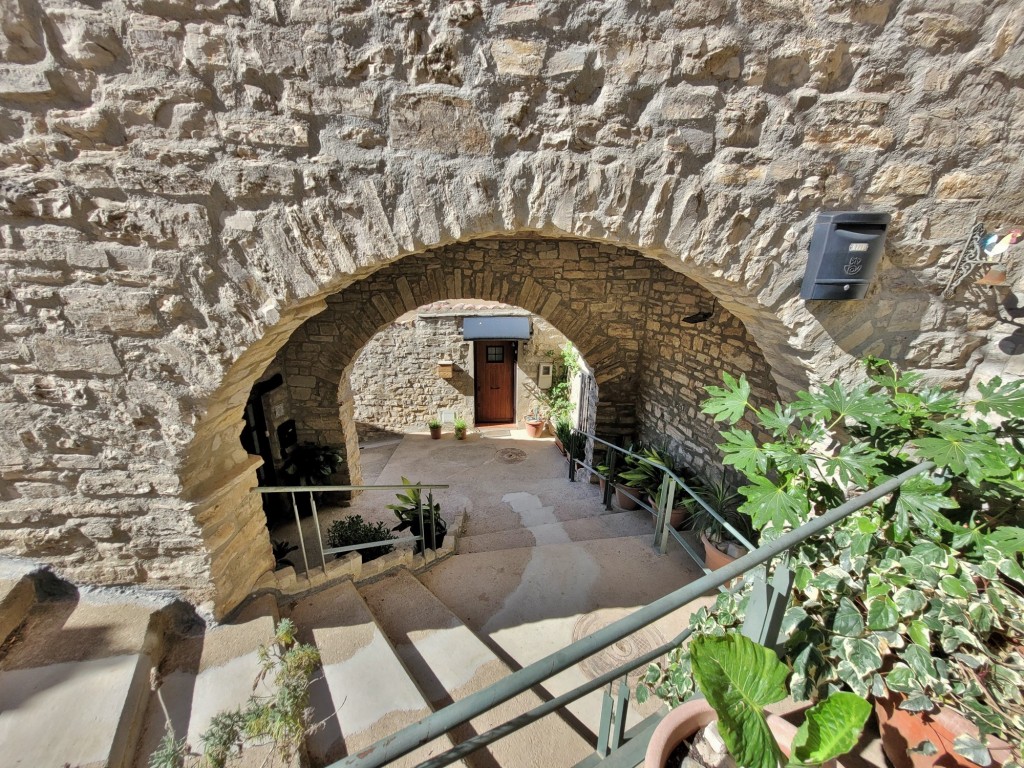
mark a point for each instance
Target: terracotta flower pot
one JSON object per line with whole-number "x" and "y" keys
{"x": 902, "y": 731}
{"x": 689, "y": 717}
{"x": 435, "y": 433}
{"x": 534, "y": 428}
{"x": 714, "y": 558}
{"x": 624, "y": 501}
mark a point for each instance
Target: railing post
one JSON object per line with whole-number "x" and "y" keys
{"x": 608, "y": 489}
{"x": 302, "y": 539}
{"x": 433, "y": 525}
{"x": 319, "y": 534}
{"x": 605, "y": 728}
{"x": 768, "y": 603}
{"x": 667, "y": 497}
{"x": 571, "y": 454}
{"x": 621, "y": 710}
{"x": 423, "y": 531}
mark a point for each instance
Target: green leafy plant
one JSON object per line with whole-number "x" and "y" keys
{"x": 918, "y": 594}
{"x": 739, "y": 678}
{"x": 354, "y": 530}
{"x": 408, "y": 513}
{"x": 434, "y": 423}
{"x": 647, "y": 472}
{"x": 281, "y": 718}
{"x": 313, "y": 463}
{"x": 556, "y": 402}
{"x": 460, "y": 427}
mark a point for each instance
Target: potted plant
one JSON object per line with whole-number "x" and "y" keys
{"x": 354, "y": 530}
{"x": 410, "y": 503}
{"x": 535, "y": 423}
{"x": 720, "y": 546}
{"x": 916, "y": 599}
{"x": 739, "y": 678}
{"x": 460, "y": 428}
{"x": 434, "y": 425}
{"x": 563, "y": 434}
{"x": 643, "y": 475}
{"x": 311, "y": 464}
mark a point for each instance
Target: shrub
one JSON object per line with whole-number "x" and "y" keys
{"x": 355, "y": 530}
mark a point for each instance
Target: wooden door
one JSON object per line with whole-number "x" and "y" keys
{"x": 495, "y": 382}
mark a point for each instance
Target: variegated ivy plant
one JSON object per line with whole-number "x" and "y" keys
{"x": 921, "y": 593}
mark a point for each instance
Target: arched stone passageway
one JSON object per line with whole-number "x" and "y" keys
{"x": 621, "y": 310}
{"x": 185, "y": 185}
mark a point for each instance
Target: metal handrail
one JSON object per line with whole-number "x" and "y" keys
{"x": 431, "y": 727}
{"x": 669, "y": 473}
{"x": 311, "y": 489}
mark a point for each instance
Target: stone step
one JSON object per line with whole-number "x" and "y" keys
{"x": 74, "y": 683}
{"x": 17, "y": 596}
{"x": 548, "y": 501}
{"x": 450, "y": 662}
{"x": 365, "y": 693}
{"x": 528, "y": 603}
{"x": 607, "y": 526}
{"x": 207, "y": 674}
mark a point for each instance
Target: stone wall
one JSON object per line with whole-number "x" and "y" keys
{"x": 184, "y": 184}
{"x": 394, "y": 381}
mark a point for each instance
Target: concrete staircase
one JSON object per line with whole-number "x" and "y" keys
{"x": 534, "y": 571}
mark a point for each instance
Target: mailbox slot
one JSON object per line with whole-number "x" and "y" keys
{"x": 844, "y": 252}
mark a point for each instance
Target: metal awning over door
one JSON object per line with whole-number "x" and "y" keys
{"x": 496, "y": 327}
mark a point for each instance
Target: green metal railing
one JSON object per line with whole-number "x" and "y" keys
{"x": 662, "y": 507}
{"x": 291, "y": 490}
{"x": 764, "y": 614}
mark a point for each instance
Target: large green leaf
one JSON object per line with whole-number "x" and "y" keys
{"x": 835, "y": 403}
{"x": 1004, "y": 399}
{"x": 768, "y": 503}
{"x": 856, "y": 463}
{"x": 777, "y": 420}
{"x": 728, "y": 403}
{"x": 831, "y": 728}
{"x": 740, "y": 678}
{"x": 741, "y": 450}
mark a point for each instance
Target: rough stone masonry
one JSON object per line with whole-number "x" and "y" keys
{"x": 184, "y": 183}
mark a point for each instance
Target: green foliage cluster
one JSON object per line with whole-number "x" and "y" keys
{"x": 354, "y": 530}
{"x": 281, "y": 718}
{"x": 556, "y": 400}
{"x": 740, "y": 678}
{"x": 313, "y": 463}
{"x": 434, "y": 423}
{"x": 919, "y": 594}
{"x": 407, "y": 510}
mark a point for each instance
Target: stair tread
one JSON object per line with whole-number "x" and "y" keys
{"x": 17, "y": 596}
{"x": 76, "y": 651}
{"x": 606, "y": 526}
{"x": 365, "y": 693}
{"x": 207, "y": 674}
{"x": 451, "y": 662}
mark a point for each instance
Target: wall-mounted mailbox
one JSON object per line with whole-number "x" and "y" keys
{"x": 845, "y": 249}
{"x": 445, "y": 368}
{"x": 544, "y": 376}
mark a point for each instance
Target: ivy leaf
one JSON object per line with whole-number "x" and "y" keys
{"x": 728, "y": 403}
{"x": 972, "y": 749}
{"x": 848, "y": 620}
{"x": 741, "y": 450}
{"x": 1003, "y": 399}
{"x": 767, "y": 503}
{"x": 882, "y": 614}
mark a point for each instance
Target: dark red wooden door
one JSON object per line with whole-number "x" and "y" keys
{"x": 495, "y": 382}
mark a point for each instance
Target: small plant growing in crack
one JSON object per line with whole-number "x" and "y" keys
{"x": 282, "y": 717}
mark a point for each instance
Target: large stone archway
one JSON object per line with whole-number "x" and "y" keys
{"x": 183, "y": 185}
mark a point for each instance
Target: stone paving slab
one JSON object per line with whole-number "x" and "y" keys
{"x": 607, "y": 526}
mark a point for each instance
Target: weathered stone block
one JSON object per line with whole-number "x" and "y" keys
{"x": 110, "y": 308}
{"x": 518, "y": 57}
{"x": 305, "y": 98}
{"x": 206, "y": 46}
{"x": 969, "y": 184}
{"x": 439, "y": 123}
{"x": 570, "y": 61}
{"x": 86, "y": 37}
{"x": 902, "y": 179}
{"x": 686, "y": 103}
{"x": 273, "y": 131}
{"x": 153, "y": 42}
{"x": 52, "y": 353}
{"x": 18, "y": 81}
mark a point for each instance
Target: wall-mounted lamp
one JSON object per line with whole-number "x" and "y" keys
{"x": 846, "y": 247}
{"x": 990, "y": 250}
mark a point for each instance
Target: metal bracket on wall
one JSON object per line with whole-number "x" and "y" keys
{"x": 970, "y": 257}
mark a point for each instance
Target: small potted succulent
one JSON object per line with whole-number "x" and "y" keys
{"x": 434, "y": 425}
{"x": 407, "y": 510}
{"x": 460, "y": 428}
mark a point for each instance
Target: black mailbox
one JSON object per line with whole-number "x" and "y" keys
{"x": 845, "y": 249}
